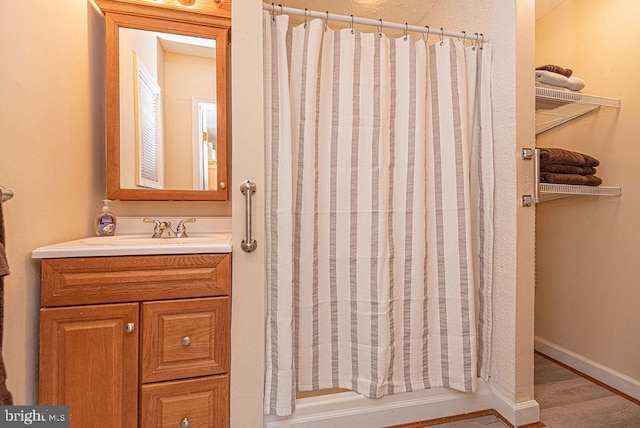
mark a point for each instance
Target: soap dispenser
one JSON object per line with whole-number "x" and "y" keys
{"x": 105, "y": 222}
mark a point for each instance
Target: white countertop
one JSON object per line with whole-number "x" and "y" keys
{"x": 133, "y": 238}
{"x": 135, "y": 245}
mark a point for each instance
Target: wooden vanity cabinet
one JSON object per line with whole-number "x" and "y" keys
{"x": 139, "y": 341}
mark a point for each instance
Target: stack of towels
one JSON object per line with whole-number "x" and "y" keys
{"x": 559, "y": 166}
{"x": 556, "y": 77}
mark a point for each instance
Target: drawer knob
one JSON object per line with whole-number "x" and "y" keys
{"x": 129, "y": 327}
{"x": 184, "y": 423}
{"x": 186, "y": 341}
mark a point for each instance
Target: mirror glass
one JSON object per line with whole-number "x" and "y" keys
{"x": 168, "y": 120}
{"x": 166, "y": 106}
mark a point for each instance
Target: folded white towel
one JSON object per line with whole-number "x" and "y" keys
{"x": 555, "y": 79}
{"x": 555, "y": 88}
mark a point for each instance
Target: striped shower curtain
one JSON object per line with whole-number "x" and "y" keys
{"x": 378, "y": 211}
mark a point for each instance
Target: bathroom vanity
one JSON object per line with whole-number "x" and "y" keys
{"x": 137, "y": 340}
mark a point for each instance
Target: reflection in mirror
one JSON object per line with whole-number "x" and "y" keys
{"x": 168, "y": 120}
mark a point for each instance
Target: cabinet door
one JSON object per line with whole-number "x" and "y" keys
{"x": 192, "y": 403}
{"x": 88, "y": 361}
{"x": 185, "y": 338}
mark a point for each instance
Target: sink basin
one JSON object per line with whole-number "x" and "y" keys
{"x": 128, "y": 245}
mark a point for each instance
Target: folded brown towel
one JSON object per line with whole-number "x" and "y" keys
{"x": 556, "y": 69}
{"x": 566, "y": 157}
{"x": 568, "y": 169}
{"x": 583, "y": 180}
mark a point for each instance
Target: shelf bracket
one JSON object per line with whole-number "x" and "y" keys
{"x": 532, "y": 154}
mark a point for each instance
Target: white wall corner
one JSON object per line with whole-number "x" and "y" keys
{"x": 517, "y": 414}
{"x": 610, "y": 377}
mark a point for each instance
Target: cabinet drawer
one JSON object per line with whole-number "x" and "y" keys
{"x": 184, "y": 338}
{"x": 203, "y": 402}
{"x": 80, "y": 281}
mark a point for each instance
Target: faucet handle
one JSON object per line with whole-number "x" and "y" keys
{"x": 157, "y": 231}
{"x": 182, "y": 229}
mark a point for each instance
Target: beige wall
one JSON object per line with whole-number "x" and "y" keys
{"x": 249, "y": 296}
{"x": 52, "y": 156}
{"x": 51, "y": 118}
{"x": 588, "y": 248}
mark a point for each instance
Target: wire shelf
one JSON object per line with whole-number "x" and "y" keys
{"x": 549, "y": 191}
{"x": 558, "y": 95}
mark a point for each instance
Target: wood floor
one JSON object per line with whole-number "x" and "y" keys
{"x": 568, "y": 400}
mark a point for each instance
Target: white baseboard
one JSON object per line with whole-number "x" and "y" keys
{"x": 524, "y": 413}
{"x": 612, "y": 378}
{"x": 349, "y": 409}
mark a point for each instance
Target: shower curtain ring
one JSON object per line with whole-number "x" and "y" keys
{"x": 464, "y": 37}
{"x": 281, "y": 10}
{"x": 273, "y": 12}
{"x": 326, "y": 22}
{"x": 406, "y": 30}
{"x": 426, "y": 39}
{"x": 441, "y": 36}
{"x": 351, "y": 25}
{"x": 305, "y": 17}
{"x": 380, "y": 29}
{"x": 481, "y": 40}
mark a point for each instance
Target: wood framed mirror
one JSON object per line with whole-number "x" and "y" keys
{"x": 166, "y": 95}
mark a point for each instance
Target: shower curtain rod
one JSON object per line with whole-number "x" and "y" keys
{"x": 479, "y": 37}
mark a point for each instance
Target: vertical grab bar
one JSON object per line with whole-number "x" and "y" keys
{"x": 248, "y": 244}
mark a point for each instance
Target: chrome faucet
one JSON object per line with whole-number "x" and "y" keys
{"x": 162, "y": 229}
